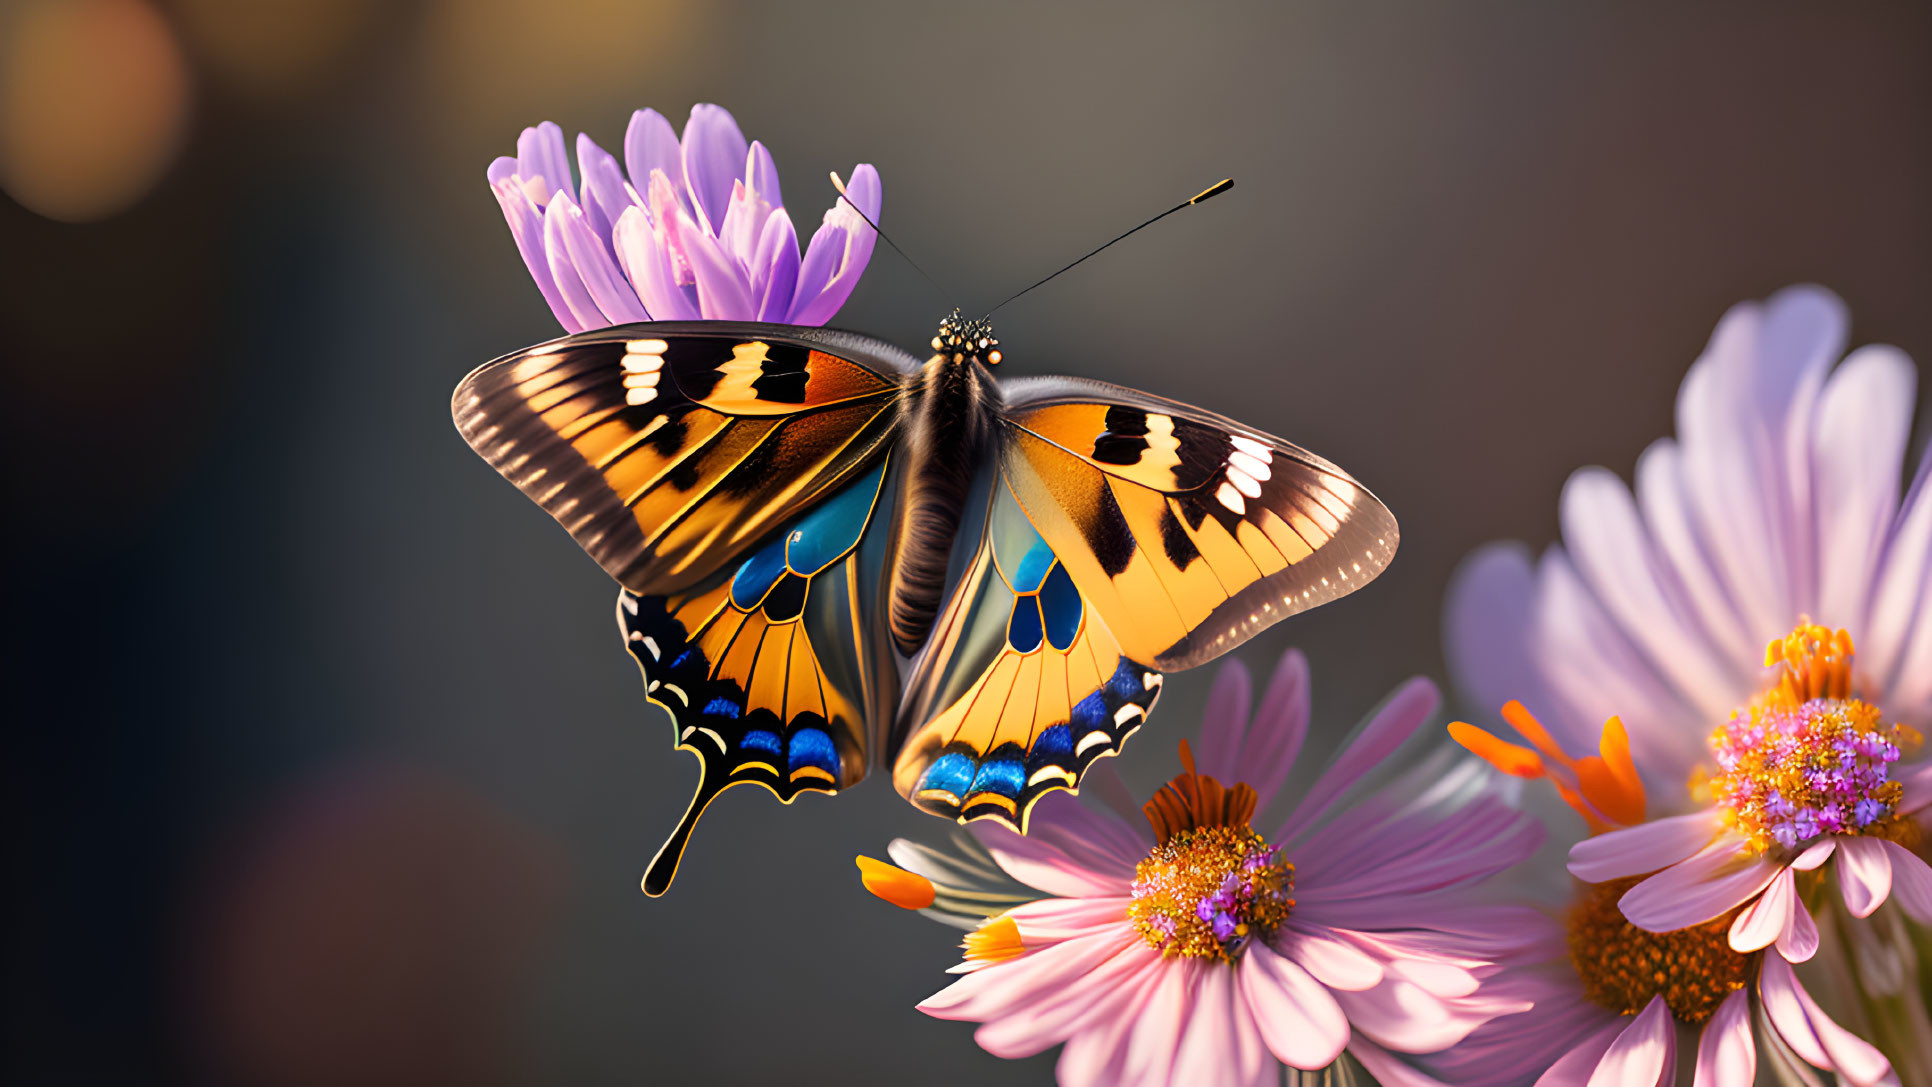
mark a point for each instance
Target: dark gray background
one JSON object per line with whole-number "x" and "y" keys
{"x": 325, "y": 763}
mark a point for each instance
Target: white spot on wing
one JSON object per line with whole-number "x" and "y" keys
{"x": 1253, "y": 466}
{"x": 1251, "y": 447}
{"x": 1243, "y": 482}
{"x": 1231, "y": 498}
{"x": 1096, "y": 738}
{"x": 1128, "y": 713}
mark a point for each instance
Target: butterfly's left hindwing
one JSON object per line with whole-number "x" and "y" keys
{"x": 772, "y": 669}
{"x": 1022, "y": 685}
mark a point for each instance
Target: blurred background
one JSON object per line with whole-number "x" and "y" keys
{"x": 324, "y": 763}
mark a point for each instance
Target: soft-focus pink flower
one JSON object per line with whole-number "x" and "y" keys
{"x": 1779, "y": 503}
{"x": 682, "y": 230}
{"x": 1779, "y": 499}
{"x": 1170, "y": 956}
{"x": 1612, "y": 1000}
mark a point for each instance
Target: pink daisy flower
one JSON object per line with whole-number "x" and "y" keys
{"x": 1781, "y": 499}
{"x": 682, "y": 229}
{"x": 1613, "y": 1001}
{"x": 1179, "y": 945}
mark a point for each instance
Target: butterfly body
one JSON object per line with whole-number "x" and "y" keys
{"x": 837, "y": 556}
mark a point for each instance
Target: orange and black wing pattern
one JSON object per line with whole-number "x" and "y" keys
{"x": 1022, "y": 686}
{"x": 1187, "y": 532}
{"x": 667, "y": 449}
{"x": 772, "y": 668}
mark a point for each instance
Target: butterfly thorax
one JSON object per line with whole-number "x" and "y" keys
{"x": 948, "y": 421}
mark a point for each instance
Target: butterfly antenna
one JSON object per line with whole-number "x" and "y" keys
{"x": 840, "y": 186}
{"x": 1215, "y": 189}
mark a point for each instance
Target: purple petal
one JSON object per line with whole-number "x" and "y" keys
{"x": 541, "y": 160}
{"x": 1486, "y": 616}
{"x": 1726, "y": 1053}
{"x": 1046, "y": 867}
{"x": 1091, "y": 839}
{"x": 856, "y": 249}
{"x": 1812, "y": 1034}
{"x": 1899, "y": 644}
{"x": 604, "y": 194}
{"x": 1224, "y": 723}
{"x": 1710, "y": 884}
{"x": 821, "y": 259}
{"x": 1335, "y": 963}
{"x": 1646, "y": 847}
{"x": 1580, "y": 1063}
{"x": 1392, "y": 724}
{"x": 1299, "y": 1020}
{"x": 1280, "y": 725}
{"x": 1209, "y": 1040}
{"x": 1643, "y": 1054}
{"x": 1911, "y": 882}
{"x": 761, "y": 175}
{"x": 714, "y": 157}
{"x": 1016, "y": 983}
{"x": 570, "y": 281}
{"x": 1864, "y": 420}
{"x": 649, "y": 268}
{"x": 1864, "y": 874}
{"x": 526, "y": 228}
{"x": 1613, "y": 554}
{"x": 775, "y": 267}
{"x": 1764, "y": 921}
{"x": 1799, "y": 940}
{"x": 1814, "y": 855}
{"x": 723, "y": 293}
{"x": 1664, "y": 498}
{"x": 651, "y": 144}
{"x": 613, "y": 295}
{"x": 1049, "y": 1016}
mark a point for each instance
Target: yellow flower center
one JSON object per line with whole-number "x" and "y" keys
{"x": 1623, "y": 967}
{"x": 1807, "y": 759}
{"x": 1206, "y": 892}
{"x": 1211, "y": 883}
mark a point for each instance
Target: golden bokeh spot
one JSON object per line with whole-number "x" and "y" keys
{"x": 93, "y": 102}
{"x": 1622, "y": 966}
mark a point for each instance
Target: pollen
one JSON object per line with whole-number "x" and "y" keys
{"x": 1211, "y": 883}
{"x": 1622, "y": 966}
{"x": 1205, "y": 892}
{"x": 1807, "y": 759}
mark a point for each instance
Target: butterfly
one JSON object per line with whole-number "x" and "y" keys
{"x": 837, "y": 555}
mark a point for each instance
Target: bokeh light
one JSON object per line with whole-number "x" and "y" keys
{"x": 93, "y": 103}
{"x": 273, "y": 51}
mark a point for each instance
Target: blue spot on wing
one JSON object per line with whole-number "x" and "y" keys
{"x": 1091, "y": 713}
{"x": 952, "y": 772}
{"x": 1033, "y": 567}
{"x": 1023, "y": 629}
{"x": 1126, "y": 684}
{"x": 813, "y": 747}
{"x": 759, "y": 573}
{"x": 834, "y": 527}
{"x": 721, "y": 707}
{"x": 1052, "y": 746}
{"x": 1003, "y": 776}
{"x": 760, "y": 740}
{"x": 1061, "y": 603}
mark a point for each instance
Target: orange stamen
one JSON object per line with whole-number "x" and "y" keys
{"x": 906, "y": 890}
{"x": 1511, "y": 759}
{"x": 1604, "y": 789}
{"x": 995, "y": 940}
{"x": 1192, "y": 800}
{"x": 1813, "y": 662}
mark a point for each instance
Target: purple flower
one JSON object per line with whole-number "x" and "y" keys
{"x": 682, "y": 230}
{"x": 1367, "y": 929}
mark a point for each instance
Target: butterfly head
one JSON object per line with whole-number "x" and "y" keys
{"x": 961, "y": 339}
